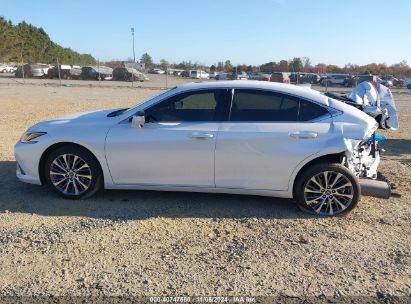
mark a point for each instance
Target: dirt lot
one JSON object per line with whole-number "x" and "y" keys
{"x": 163, "y": 243}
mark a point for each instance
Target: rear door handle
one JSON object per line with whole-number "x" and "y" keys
{"x": 303, "y": 135}
{"x": 201, "y": 135}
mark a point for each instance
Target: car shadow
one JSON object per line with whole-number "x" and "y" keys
{"x": 16, "y": 196}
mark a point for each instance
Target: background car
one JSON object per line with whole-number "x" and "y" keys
{"x": 407, "y": 83}
{"x": 185, "y": 73}
{"x": 32, "y": 70}
{"x": 96, "y": 73}
{"x": 259, "y": 76}
{"x": 350, "y": 81}
{"x": 64, "y": 72}
{"x": 240, "y": 75}
{"x": 281, "y": 77}
{"x": 301, "y": 78}
{"x": 213, "y": 74}
{"x": 387, "y": 82}
{"x": 199, "y": 74}
{"x": 128, "y": 74}
{"x": 75, "y": 72}
{"x": 4, "y": 68}
{"x": 156, "y": 71}
{"x": 224, "y": 76}
{"x": 334, "y": 79}
{"x": 391, "y": 81}
{"x": 253, "y": 76}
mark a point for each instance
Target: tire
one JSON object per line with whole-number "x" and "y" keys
{"x": 313, "y": 196}
{"x": 409, "y": 86}
{"x": 68, "y": 183}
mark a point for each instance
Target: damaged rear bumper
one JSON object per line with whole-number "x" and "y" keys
{"x": 363, "y": 158}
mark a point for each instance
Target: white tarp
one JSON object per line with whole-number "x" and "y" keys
{"x": 375, "y": 100}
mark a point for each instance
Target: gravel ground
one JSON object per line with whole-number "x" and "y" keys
{"x": 165, "y": 243}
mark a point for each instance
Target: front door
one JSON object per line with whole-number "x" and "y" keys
{"x": 176, "y": 145}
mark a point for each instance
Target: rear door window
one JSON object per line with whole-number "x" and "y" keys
{"x": 253, "y": 105}
{"x": 263, "y": 106}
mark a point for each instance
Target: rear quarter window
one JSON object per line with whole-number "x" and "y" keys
{"x": 309, "y": 111}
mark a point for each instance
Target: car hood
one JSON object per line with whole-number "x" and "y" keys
{"x": 84, "y": 118}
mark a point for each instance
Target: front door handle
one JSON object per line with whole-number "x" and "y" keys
{"x": 303, "y": 135}
{"x": 201, "y": 135}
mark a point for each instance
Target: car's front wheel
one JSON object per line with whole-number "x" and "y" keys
{"x": 73, "y": 173}
{"x": 327, "y": 189}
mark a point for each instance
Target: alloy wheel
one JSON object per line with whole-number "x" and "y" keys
{"x": 70, "y": 174}
{"x": 328, "y": 193}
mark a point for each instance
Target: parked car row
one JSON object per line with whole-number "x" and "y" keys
{"x": 348, "y": 80}
{"x": 40, "y": 70}
{"x": 76, "y": 72}
{"x": 283, "y": 77}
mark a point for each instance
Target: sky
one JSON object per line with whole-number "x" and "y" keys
{"x": 243, "y": 31}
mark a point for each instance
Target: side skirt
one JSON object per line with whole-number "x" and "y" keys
{"x": 280, "y": 194}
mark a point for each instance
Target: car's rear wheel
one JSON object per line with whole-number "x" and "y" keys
{"x": 409, "y": 86}
{"x": 73, "y": 173}
{"x": 327, "y": 190}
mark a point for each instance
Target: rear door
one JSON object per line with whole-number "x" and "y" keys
{"x": 268, "y": 134}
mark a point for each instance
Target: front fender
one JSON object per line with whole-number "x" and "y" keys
{"x": 95, "y": 147}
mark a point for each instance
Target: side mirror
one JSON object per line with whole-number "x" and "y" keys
{"x": 138, "y": 120}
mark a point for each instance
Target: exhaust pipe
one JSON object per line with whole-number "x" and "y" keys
{"x": 375, "y": 188}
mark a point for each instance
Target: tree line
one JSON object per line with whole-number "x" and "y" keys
{"x": 26, "y": 43}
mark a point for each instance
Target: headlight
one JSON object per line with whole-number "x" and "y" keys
{"x": 28, "y": 137}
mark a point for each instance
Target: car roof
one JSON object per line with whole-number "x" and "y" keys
{"x": 290, "y": 89}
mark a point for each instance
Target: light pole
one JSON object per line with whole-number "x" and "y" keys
{"x": 134, "y": 54}
{"x": 134, "y": 59}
